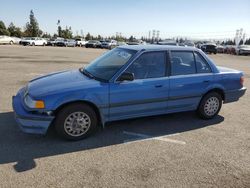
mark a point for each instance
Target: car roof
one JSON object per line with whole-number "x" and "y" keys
{"x": 157, "y": 47}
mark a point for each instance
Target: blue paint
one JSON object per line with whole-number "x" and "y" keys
{"x": 128, "y": 99}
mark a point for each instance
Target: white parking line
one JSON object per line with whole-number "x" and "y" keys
{"x": 143, "y": 137}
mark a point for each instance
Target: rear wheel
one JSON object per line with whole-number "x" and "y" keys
{"x": 76, "y": 121}
{"x": 11, "y": 42}
{"x": 210, "y": 105}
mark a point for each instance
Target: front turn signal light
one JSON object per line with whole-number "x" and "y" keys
{"x": 39, "y": 104}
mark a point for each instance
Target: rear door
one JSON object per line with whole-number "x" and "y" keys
{"x": 190, "y": 77}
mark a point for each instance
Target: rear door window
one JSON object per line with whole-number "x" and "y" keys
{"x": 182, "y": 63}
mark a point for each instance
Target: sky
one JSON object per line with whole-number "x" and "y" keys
{"x": 187, "y": 18}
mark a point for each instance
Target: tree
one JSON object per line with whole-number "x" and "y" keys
{"x": 32, "y": 27}
{"x": 230, "y": 42}
{"x": 59, "y": 31}
{"x": 3, "y": 30}
{"x": 14, "y": 31}
{"x": 77, "y": 37}
{"x": 67, "y": 33}
{"x": 131, "y": 38}
{"x": 181, "y": 40}
{"x": 247, "y": 42}
{"x": 88, "y": 37}
{"x": 99, "y": 37}
{"x": 46, "y": 35}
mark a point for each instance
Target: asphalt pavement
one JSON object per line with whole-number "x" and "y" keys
{"x": 175, "y": 150}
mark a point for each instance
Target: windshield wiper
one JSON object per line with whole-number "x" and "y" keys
{"x": 88, "y": 74}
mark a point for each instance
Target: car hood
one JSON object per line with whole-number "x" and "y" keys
{"x": 59, "y": 82}
{"x": 246, "y": 49}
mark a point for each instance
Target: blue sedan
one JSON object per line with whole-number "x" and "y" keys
{"x": 126, "y": 82}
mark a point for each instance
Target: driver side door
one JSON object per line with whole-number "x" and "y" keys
{"x": 147, "y": 94}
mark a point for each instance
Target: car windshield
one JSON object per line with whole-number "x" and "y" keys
{"x": 105, "y": 67}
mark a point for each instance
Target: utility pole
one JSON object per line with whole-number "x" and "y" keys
{"x": 81, "y": 32}
{"x": 153, "y": 37}
{"x": 157, "y": 35}
{"x": 149, "y": 35}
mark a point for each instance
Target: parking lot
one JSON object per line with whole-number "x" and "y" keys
{"x": 175, "y": 150}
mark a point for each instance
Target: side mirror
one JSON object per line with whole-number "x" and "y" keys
{"x": 126, "y": 76}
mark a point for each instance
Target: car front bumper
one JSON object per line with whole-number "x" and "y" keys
{"x": 234, "y": 95}
{"x": 30, "y": 122}
{"x": 244, "y": 52}
{"x": 25, "y": 43}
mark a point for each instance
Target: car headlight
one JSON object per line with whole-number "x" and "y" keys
{"x": 38, "y": 104}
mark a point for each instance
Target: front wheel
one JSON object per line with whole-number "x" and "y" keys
{"x": 210, "y": 105}
{"x": 76, "y": 121}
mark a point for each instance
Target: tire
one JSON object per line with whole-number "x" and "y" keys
{"x": 11, "y": 42}
{"x": 44, "y": 44}
{"x": 67, "y": 128}
{"x": 33, "y": 44}
{"x": 210, "y": 105}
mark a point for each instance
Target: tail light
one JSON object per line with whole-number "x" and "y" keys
{"x": 242, "y": 80}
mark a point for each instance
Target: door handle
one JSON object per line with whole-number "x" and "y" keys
{"x": 157, "y": 86}
{"x": 206, "y": 81}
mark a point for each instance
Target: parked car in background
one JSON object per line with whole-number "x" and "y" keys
{"x": 209, "y": 48}
{"x": 243, "y": 50}
{"x": 33, "y": 41}
{"x": 109, "y": 44}
{"x": 168, "y": 42}
{"x": 220, "y": 49}
{"x": 66, "y": 42}
{"x": 70, "y": 43}
{"x": 60, "y": 42}
{"x": 121, "y": 43}
{"x": 187, "y": 44}
{"x": 133, "y": 43}
{"x": 80, "y": 42}
{"x": 126, "y": 82}
{"x": 16, "y": 40}
{"x": 232, "y": 50}
{"x": 51, "y": 42}
{"x": 6, "y": 40}
{"x": 93, "y": 44}
{"x": 227, "y": 49}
